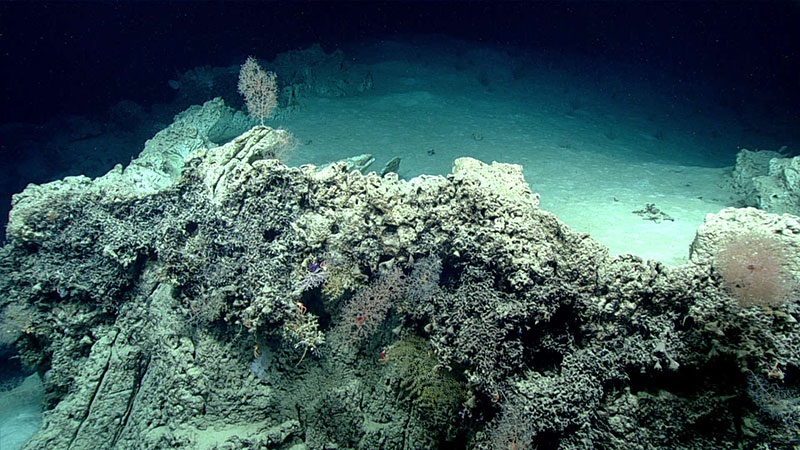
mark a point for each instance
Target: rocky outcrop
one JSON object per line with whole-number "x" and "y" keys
{"x": 768, "y": 180}
{"x": 207, "y": 311}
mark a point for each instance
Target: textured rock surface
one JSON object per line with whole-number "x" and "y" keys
{"x": 721, "y": 227}
{"x": 768, "y": 180}
{"x": 149, "y": 309}
{"x": 780, "y": 189}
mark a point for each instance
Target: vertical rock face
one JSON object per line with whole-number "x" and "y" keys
{"x": 780, "y": 189}
{"x": 148, "y": 307}
{"x": 768, "y": 180}
{"x": 730, "y": 222}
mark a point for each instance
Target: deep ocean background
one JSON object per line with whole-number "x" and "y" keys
{"x": 80, "y": 57}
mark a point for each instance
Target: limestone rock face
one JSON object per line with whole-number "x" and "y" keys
{"x": 721, "y": 227}
{"x": 768, "y": 180}
{"x": 779, "y": 190}
{"x": 149, "y": 296}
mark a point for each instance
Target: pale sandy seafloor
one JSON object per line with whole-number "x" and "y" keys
{"x": 594, "y": 147}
